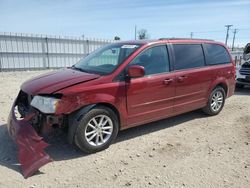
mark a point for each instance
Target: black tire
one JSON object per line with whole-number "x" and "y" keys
{"x": 80, "y": 139}
{"x": 209, "y": 109}
{"x": 239, "y": 85}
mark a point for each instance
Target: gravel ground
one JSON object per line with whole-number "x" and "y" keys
{"x": 190, "y": 150}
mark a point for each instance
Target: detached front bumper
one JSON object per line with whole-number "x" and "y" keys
{"x": 31, "y": 154}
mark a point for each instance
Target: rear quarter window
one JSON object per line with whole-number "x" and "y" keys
{"x": 216, "y": 54}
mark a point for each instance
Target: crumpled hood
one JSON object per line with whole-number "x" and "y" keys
{"x": 56, "y": 80}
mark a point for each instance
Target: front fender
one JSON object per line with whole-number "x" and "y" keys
{"x": 74, "y": 121}
{"x": 70, "y": 104}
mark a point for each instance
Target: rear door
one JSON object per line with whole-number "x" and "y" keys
{"x": 193, "y": 77}
{"x": 152, "y": 96}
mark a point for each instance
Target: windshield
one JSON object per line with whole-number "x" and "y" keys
{"x": 106, "y": 59}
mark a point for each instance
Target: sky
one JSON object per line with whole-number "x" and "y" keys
{"x": 108, "y": 18}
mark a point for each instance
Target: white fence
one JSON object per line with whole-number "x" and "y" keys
{"x": 29, "y": 51}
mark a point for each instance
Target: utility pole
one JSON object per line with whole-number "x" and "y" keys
{"x": 191, "y": 35}
{"x": 135, "y": 32}
{"x": 228, "y": 27}
{"x": 234, "y": 32}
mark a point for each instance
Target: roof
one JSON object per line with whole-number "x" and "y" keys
{"x": 190, "y": 39}
{"x": 166, "y": 40}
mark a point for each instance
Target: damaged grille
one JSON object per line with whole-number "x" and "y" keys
{"x": 245, "y": 69}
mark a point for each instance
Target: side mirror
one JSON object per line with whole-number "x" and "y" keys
{"x": 135, "y": 71}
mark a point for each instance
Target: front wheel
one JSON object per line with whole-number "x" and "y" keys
{"x": 215, "y": 102}
{"x": 96, "y": 130}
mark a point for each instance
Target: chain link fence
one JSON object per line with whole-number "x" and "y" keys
{"x": 31, "y": 52}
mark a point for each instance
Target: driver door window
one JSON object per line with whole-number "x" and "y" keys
{"x": 154, "y": 60}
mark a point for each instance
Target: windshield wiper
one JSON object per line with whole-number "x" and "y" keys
{"x": 78, "y": 68}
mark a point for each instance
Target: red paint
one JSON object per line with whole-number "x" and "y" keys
{"x": 138, "y": 101}
{"x": 136, "y": 71}
{"x": 147, "y": 99}
{"x": 31, "y": 147}
{"x": 52, "y": 81}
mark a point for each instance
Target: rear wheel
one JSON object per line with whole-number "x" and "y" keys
{"x": 96, "y": 130}
{"x": 215, "y": 102}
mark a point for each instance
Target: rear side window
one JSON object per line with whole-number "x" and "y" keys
{"x": 188, "y": 56}
{"x": 216, "y": 54}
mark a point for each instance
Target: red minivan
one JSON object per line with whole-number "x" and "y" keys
{"x": 119, "y": 86}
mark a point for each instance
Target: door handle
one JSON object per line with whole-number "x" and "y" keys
{"x": 181, "y": 78}
{"x": 168, "y": 81}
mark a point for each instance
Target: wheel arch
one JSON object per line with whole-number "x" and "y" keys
{"x": 113, "y": 108}
{"x": 224, "y": 86}
{"x": 76, "y": 116}
{"x": 219, "y": 82}
{"x": 207, "y": 109}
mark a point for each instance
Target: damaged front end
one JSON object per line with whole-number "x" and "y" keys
{"x": 25, "y": 124}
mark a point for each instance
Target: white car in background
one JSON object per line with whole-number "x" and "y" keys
{"x": 243, "y": 71}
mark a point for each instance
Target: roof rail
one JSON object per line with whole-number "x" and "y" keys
{"x": 183, "y": 39}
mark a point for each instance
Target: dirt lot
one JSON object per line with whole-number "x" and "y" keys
{"x": 190, "y": 150}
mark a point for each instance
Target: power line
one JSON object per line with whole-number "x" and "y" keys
{"x": 218, "y": 31}
{"x": 135, "y": 32}
{"x": 244, "y": 29}
{"x": 227, "y": 35}
{"x": 191, "y": 35}
{"x": 213, "y": 31}
{"x": 234, "y": 32}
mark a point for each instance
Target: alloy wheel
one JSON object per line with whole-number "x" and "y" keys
{"x": 217, "y": 101}
{"x": 99, "y": 130}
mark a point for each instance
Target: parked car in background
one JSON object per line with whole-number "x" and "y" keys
{"x": 243, "y": 71}
{"x": 119, "y": 86}
{"x": 246, "y": 53}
